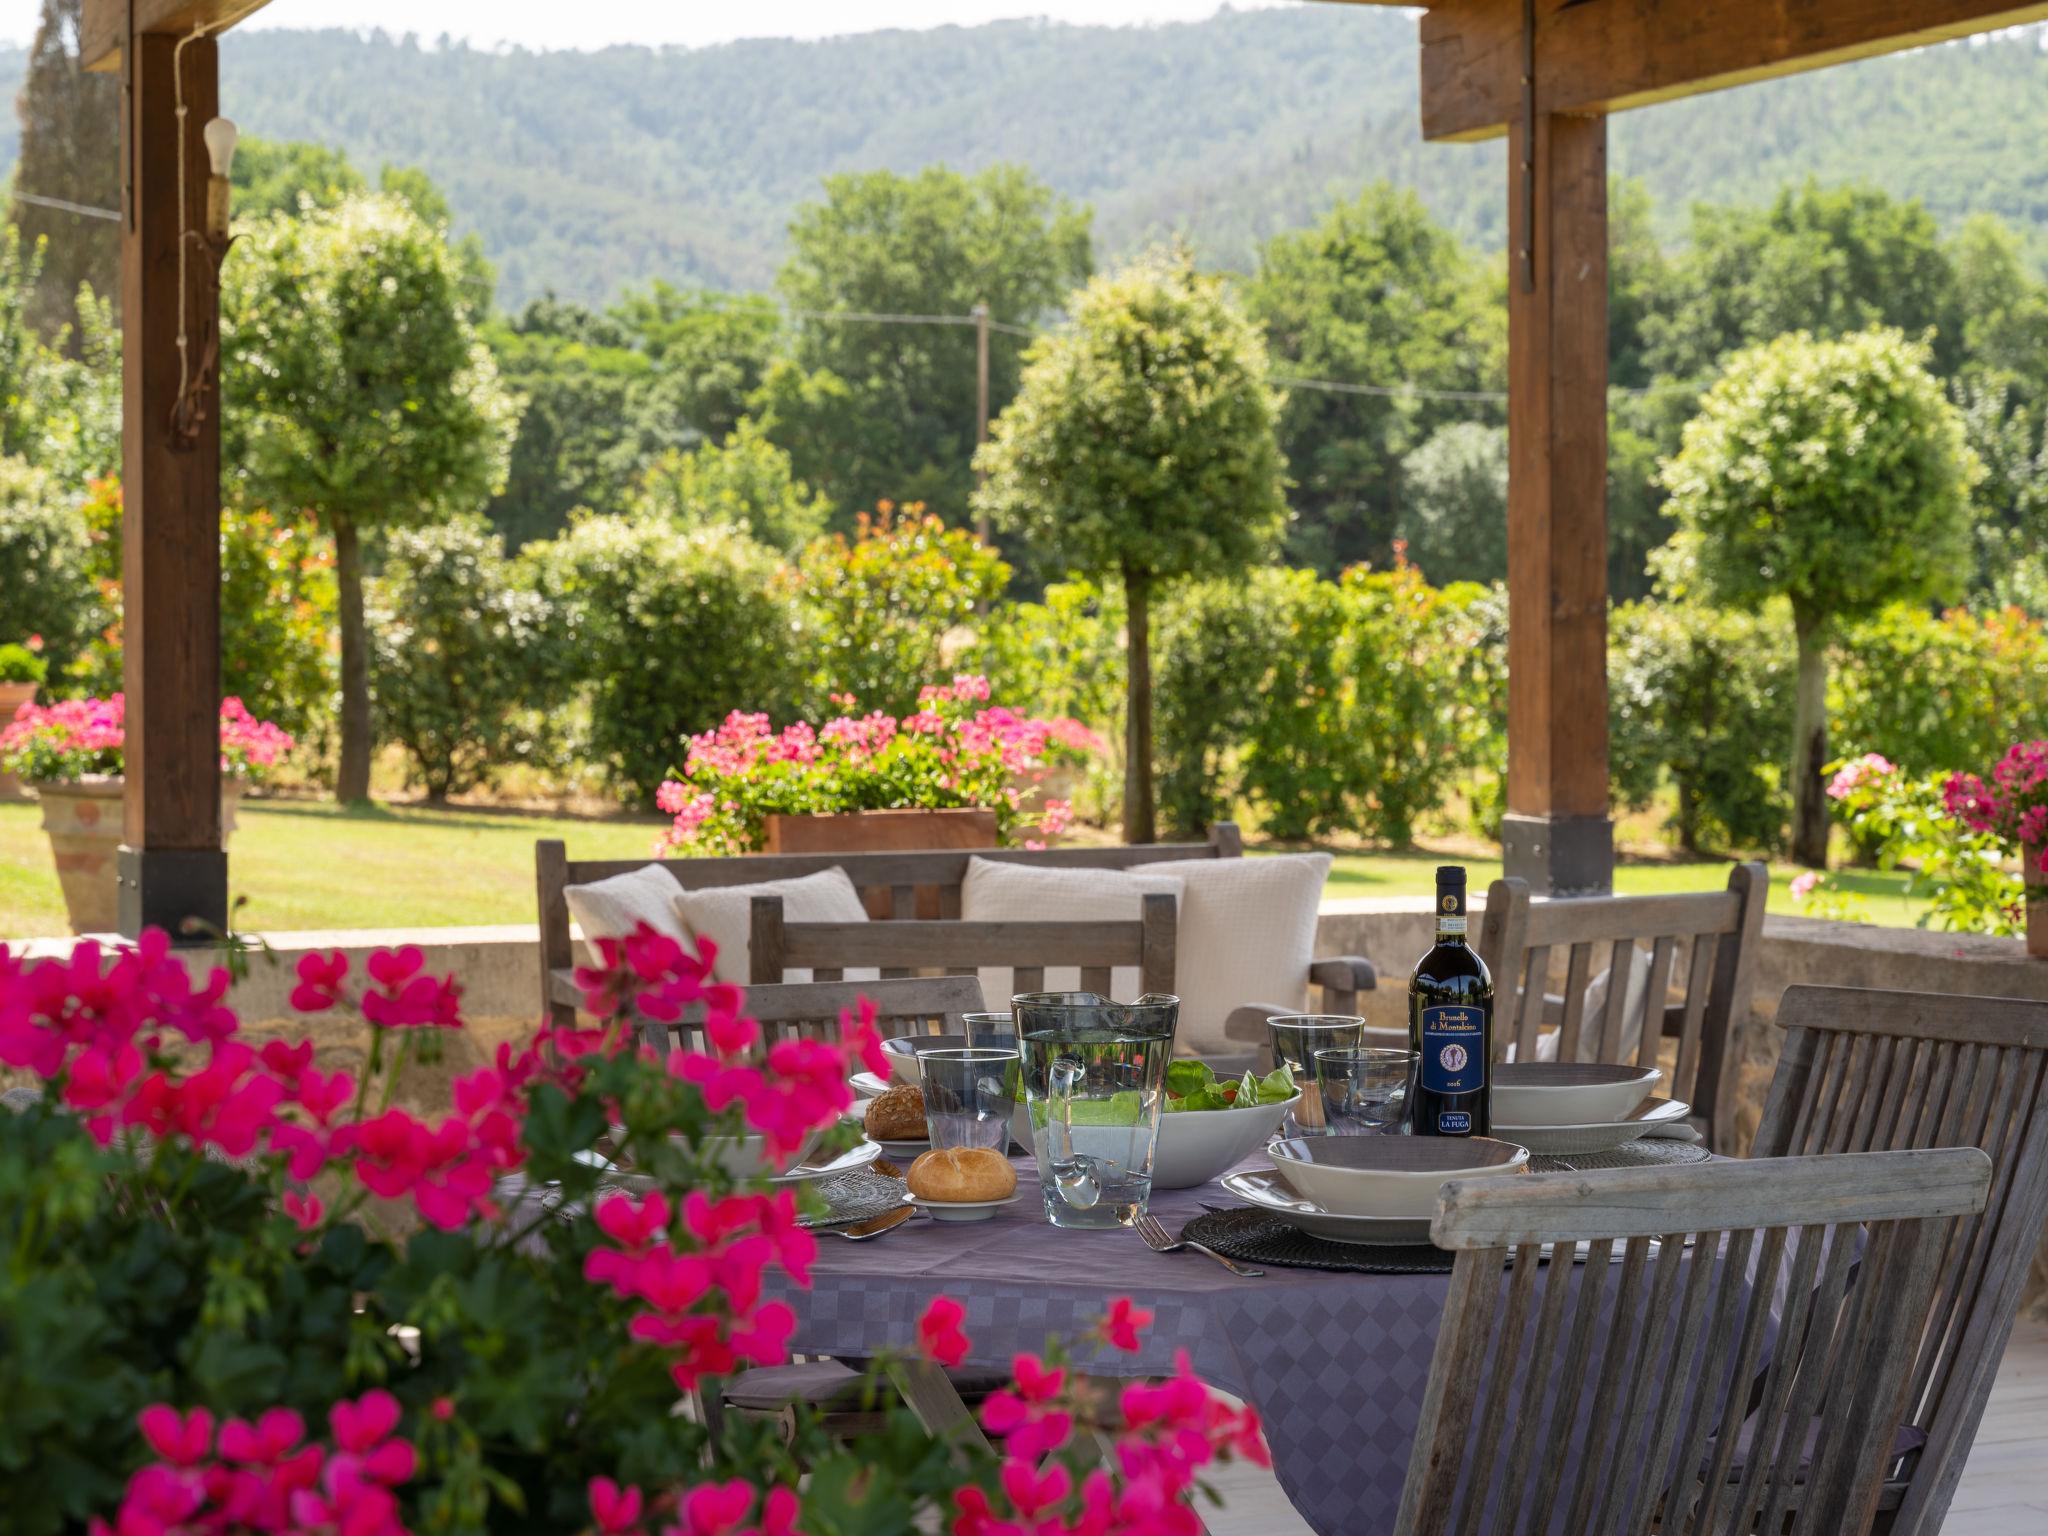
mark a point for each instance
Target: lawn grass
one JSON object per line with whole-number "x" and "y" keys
{"x": 304, "y": 864}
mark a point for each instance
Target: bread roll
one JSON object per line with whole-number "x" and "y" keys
{"x": 896, "y": 1115}
{"x": 961, "y": 1174}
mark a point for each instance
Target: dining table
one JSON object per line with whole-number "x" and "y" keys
{"x": 1335, "y": 1362}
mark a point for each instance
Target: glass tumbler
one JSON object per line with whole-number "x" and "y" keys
{"x": 1365, "y": 1089}
{"x": 1094, "y": 1082}
{"x": 1296, "y": 1038}
{"x": 968, "y": 1096}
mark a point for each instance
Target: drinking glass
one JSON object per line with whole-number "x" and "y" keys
{"x": 1365, "y": 1089}
{"x": 991, "y": 1031}
{"x": 1296, "y": 1038}
{"x": 1094, "y": 1082}
{"x": 968, "y": 1096}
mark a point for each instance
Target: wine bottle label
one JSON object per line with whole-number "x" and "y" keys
{"x": 1453, "y": 1049}
{"x": 1453, "y": 1122}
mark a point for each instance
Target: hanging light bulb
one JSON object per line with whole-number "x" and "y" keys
{"x": 220, "y": 145}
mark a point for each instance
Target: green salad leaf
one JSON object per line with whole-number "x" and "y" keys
{"x": 1193, "y": 1085}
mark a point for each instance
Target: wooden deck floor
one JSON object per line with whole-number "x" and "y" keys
{"x": 2004, "y": 1490}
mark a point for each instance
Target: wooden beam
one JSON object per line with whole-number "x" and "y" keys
{"x": 104, "y": 27}
{"x": 172, "y": 866}
{"x": 1556, "y": 835}
{"x": 1607, "y": 55}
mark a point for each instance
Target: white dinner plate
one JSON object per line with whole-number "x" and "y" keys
{"x": 1264, "y": 1188}
{"x": 897, "y": 1151}
{"x": 962, "y": 1210}
{"x": 1654, "y": 1116}
{"x": 828, "y": 1168}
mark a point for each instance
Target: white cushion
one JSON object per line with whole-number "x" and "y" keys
{"x": 1247, "y": 935}
{"x": 1593, "y": 1020}
{"x": 724, "y": 915}
{"x": 613, "y": 908}
{"x": 997, "y": 891}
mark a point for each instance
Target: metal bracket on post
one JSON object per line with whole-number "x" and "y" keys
{"x": 1526, "y": 256}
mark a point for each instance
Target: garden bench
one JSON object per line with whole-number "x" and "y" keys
{"x": 896, "y": 883}
{"x": 1715, "y": 933}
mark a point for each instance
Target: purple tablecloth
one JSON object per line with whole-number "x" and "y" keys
{"x": 1335, "y": 1363}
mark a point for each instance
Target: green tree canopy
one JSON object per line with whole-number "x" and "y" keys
{"x": 356, "y": 388}
{"x": 744, "y": 482}
{"x": 1829, "y": 260}
{"x": 1143, "y": 442}
{"x": 1377, "y": 293}
{"x": 1832, "y": 473}
{"x": 70, "y": 149}
{"x": 936, "y": 243}
{"x": 1454, "y": 513}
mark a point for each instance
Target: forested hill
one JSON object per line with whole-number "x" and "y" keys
{"x": 588, "y": 171}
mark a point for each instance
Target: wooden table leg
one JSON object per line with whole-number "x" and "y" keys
{"x": 938, "y": 1407}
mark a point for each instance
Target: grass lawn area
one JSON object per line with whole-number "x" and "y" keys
{"x": 1411, "y": 874}
{"x": 303, "y": 864}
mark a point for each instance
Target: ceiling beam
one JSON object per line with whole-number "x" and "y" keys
{"x": 1605, "y": 55}
{"x": 104, "y": 27}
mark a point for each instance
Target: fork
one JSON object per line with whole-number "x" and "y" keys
{"x": 1153, "y": 1231}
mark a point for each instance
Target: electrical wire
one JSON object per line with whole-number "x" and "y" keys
{"x": 63, "y": 205}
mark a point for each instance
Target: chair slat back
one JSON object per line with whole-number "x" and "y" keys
{"x": 923, "y": 1005}
{"x": 1712, "y": 935}
{"x": 1026, "y": 949}
{"x": 1729, "y": 1357}
{"x": 1864, "y": 1070}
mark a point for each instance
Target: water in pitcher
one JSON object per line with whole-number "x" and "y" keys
{"x": 1094, "y": 1080}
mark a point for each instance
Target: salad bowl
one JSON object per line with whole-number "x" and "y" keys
{"x": 1208, "y": 1124}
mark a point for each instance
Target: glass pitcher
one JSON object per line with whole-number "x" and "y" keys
{"x": 1094, "y": 1081}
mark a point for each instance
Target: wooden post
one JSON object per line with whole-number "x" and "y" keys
{"x": 1556, "y": 834}
{"x": 172, "y": 867}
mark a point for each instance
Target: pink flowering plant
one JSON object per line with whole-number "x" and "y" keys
{"x": 246, "y": 1294}
{"x": 74, "y": 739}
{"x": 1928, "y": 826}
{"x": 956, "y": 750}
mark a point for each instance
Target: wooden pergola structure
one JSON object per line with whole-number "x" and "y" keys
{"x": 1546, "y": 73}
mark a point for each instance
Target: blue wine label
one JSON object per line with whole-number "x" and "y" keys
{"x": 1453, "y": 1049}
{"x": 1453, "y": 1122}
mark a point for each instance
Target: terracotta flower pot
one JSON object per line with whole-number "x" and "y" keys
{"x": 883, "y": 832}
{"x": 2034, "y": 867}
{"x": 13, "y": 698}
{"x": 83, "y": 820}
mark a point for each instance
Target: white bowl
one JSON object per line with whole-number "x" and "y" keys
{"x": 1388, "y": 1176}
{"x": 1568, "y": 1092}
{"x": 902, "y": 1051}
{"x": 1195, "y": 1145}
{"x": 746, "y": 1157}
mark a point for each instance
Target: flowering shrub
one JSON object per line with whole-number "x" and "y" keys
{"x": 62, "y": 742}
{"x": 214, "y": 1246}
{"x": 1917, "y": 824}
{"x": 956, "y": 751}
{"x": 2014, "y": 805}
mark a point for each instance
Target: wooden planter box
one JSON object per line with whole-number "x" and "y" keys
{"x": 883, "y": 832}
{"x": 13, "y": 698}
{"x": 83, "y": 820}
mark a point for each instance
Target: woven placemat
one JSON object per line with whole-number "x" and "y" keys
{"x": 855, "y": 1196}
{"x": 1648, "y": 1152}
{"x": 1258, "y": 1237}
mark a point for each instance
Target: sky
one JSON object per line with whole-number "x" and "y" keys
{"x": 694, "y": 23}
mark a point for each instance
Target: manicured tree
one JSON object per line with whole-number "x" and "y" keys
{"x": 1834, "y": 474}
{"x": 1142, "y": 442}
{"x": 356, "y": 388}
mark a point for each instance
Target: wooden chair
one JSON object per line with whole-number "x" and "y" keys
{"x": 894, "y": 886}
{"x": 958, "y": 947}
{"x": 1873, "y": 1071}
{"x": 1717, "y": 931}
{"x": 1670, "y": 1392}
{"x": 920, "y": 1005}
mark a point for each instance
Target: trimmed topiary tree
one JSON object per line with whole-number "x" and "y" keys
{"x": 1834, "y": 473}
{"x": 1142, "y": 442}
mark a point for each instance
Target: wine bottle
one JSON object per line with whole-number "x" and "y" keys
{"x": 1450, "y": 1024}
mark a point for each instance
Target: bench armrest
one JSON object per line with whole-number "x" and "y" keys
{"x": 1347, "y": 973}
